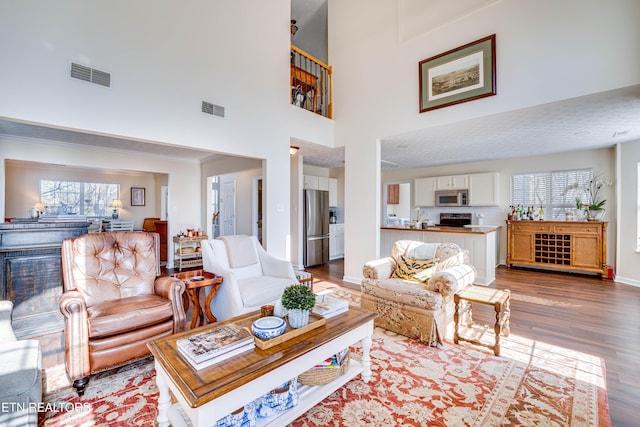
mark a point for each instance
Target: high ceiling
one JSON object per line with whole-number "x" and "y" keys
{"x": 588, "y": 122}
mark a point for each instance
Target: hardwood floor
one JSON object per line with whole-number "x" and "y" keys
{"x": 573, "y": 311}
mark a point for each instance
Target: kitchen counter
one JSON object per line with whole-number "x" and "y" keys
{"x": 442, "y": 229}
{"x": 481, "y": 242}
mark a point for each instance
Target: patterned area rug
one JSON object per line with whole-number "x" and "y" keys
{"x": 412, "y": 385}
{"x": 126, "y": 396}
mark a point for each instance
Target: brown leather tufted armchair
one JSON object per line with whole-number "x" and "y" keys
{"x": 114, "y": 303}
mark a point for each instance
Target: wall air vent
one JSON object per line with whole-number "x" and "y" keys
{"x": 80, "y": 72}
{"x": 101, "y": 78}
{"x": 90, "y": 75}
{"x": 214, "y": 110}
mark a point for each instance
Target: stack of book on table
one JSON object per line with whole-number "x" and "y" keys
{"x": 327, "y": 306}
{"x": 215, "y": 345}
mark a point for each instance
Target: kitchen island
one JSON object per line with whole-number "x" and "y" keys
{"x": 481, "y": 242}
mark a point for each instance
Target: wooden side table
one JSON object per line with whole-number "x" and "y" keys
{"x": 499, "y": 299}
{"x": 195, "y": 280}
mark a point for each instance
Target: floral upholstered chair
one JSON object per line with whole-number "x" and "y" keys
{"x": 412, "y": 290}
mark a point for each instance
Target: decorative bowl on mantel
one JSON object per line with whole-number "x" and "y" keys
{"x": 268, "y": 327}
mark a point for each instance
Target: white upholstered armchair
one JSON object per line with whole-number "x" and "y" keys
{"x": 252, "y": 277}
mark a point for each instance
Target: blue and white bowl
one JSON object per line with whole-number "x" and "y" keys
{"x": 268, "y": 327}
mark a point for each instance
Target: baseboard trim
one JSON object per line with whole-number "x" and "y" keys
{"x": 627, "y": 281}
{"x": 352, "y": 280}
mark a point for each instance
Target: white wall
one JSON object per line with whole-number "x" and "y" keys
{"x": 546, "y": 51}
{"x": 628, "y": 261}
{"x": 164, "y": 58}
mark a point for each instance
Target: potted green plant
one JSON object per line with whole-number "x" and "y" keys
{"x": 298, "y": 300}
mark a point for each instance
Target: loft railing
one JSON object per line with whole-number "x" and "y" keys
{"x": 311, "y": 86}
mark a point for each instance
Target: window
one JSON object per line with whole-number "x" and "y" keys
{"x": 83, "y": 198}
{"x": 555, "y": 191}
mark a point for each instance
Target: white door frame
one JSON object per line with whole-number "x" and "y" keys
{"x": 254, "y": 206}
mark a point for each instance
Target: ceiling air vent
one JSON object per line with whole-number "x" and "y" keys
{"x": 90, "y": 75}
{"x": 214, "y": 110}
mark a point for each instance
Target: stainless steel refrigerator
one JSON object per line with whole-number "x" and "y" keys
{"x": 316, "y": 227}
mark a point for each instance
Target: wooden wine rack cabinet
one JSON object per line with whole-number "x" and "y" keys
{"x": 563, "y": 245}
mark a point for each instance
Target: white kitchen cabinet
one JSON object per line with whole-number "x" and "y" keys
{"x": 424, "y": 191}
{"x": 333, "y": 192}
{"x": 336, "y": 241}
{"x": 425, "y": 188}
{"x": 310, "y": 182}
{"x": 323, "y": 183}
{"x": 452, "y": 182}
{"x": 483, "y": 189}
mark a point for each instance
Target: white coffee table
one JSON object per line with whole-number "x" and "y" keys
{"x": 209, "y": 394}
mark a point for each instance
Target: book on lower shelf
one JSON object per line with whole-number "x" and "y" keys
{"x": 214, "y": 342}
{"x": 334, "y": 361}
{"x": 328, "y": 306}
{"x": 217, "y": 358}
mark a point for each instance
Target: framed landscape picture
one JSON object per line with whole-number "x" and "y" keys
{"x": 137, "y": 196}
{"x": 462, "y": 74}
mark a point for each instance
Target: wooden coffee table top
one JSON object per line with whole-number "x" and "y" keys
{"x": 201, "y": 386}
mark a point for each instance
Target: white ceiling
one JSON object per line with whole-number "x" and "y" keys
{"x": 588, "y": 122}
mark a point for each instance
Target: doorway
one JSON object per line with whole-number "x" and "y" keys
{"x": 228, "y": 208}
{"x": 221, "y": 206}
{"x": 257, "y": 208}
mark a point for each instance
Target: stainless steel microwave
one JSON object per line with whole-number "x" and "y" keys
{"x": 452, "y": 198}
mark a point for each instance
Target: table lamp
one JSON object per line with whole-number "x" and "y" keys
{"x": 116, "y": 205}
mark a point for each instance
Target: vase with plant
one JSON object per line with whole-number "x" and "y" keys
{"x": 588, "y": 196}
{"x": 298, "y": 300}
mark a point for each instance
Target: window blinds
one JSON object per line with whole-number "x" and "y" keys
{"x": 555, "y": 191}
